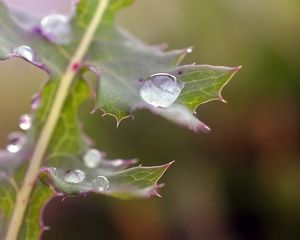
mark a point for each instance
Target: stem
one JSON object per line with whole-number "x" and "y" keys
{"x": 32, "y": 173}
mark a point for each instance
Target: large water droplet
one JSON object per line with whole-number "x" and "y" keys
{"x": 101, "y": 184}
{"x": 92, "y": 158}
{"x": 76, "y": 176}
{"x": 25, "y": 122}
{"x": 16, "y": 141}
{"x": 56, "y": 28}
{"x": 161, "y": 90}
{"x": 27, "y": 53}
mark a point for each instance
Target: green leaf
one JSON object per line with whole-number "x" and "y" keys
{"x": 68, "y": 140}
{"x": 127, "y": 62}
{"x": 122, "y": 64}
{"x": 131, "y": 183}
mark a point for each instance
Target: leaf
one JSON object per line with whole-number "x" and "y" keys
{"x": 122, "y": 64}
{"x": 127, "y": 62}
{"x": 12, "y": 165}
{"x": 134, "y": 182}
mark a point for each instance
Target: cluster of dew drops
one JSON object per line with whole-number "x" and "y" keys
{"x": 55, "y": 28}
{"x": 92, "y": 159}
{"x": 159, "y": 90}
{"x": 17, "y": 140}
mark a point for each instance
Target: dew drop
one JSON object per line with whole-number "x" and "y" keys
{"x": 161, "y": 90}
{"x": 13, "y": 148}
{"x": 189, "y": 50}
{"x": 56, "y": 28}
{"x": 35, "y": 101}
{"x": 25, "y": 122}
{"x": 100, "y": 184}
{"x": 92, "y": 158}
{"x": 76, "y": 176}
{"x": 27, "y": 53}
{"x": 16, "y": 141}
{"x": 118, "y": 163}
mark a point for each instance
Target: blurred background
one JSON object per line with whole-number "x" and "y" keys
{"x": 239, "y": 182}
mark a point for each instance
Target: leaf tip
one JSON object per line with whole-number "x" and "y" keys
{"x": 169, "y": 164}
{"x": 238, "y": 68}
{"x": 233, "y": 71}
{"x": 183, "y": 53}
{"x": 165, "y": 167}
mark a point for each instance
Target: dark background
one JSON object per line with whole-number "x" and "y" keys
{"x": 242, "y": 180}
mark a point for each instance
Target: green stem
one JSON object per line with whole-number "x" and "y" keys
{"x": 32, "y": 173}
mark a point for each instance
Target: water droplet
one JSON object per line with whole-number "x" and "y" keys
{"x": 57, "y": 28}
{"x": 118, "y": 163}
{"x": 76, "y": 176}
{"x": 35, "y": 101}
{"x": 92, "y": 158}
{"x": 27, "y": 53}
{"x": 101, "y": 184}
{"x": 189, "y": 50}
{"x": 25, "y": 122}
{"x": 161, "y": 90}
{"x": 121, "y": 163}
{"x": 16, "y": 141}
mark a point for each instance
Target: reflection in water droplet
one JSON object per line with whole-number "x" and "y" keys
{"x": 76, "y": 176}
{"x": 16, "y": 141}
{"x": 161, "y": 90}
{"x": 27, "y": 53}
{"x": 118, "y": 163}
{"x": 56, "y": 28}
{"x": 189, "y": 50}
{"x": 25, "y": 122}
{"x": 100, "y": 184}
{"x": 92, "y": 158}
{"x": 35, "y": 101}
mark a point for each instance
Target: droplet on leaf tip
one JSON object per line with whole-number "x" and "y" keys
{"x": 76, "y": 176}
{"x": 100, "y": 184}
{"x": 92, "y": 158}
{"x": 25, "y": 122}
{"x": 56, "y": 28}
{"x": 189, "y": 50}
{"x": 161, "y": 90}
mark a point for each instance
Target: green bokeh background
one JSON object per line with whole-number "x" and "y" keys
{"x": 242, "y": 180}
